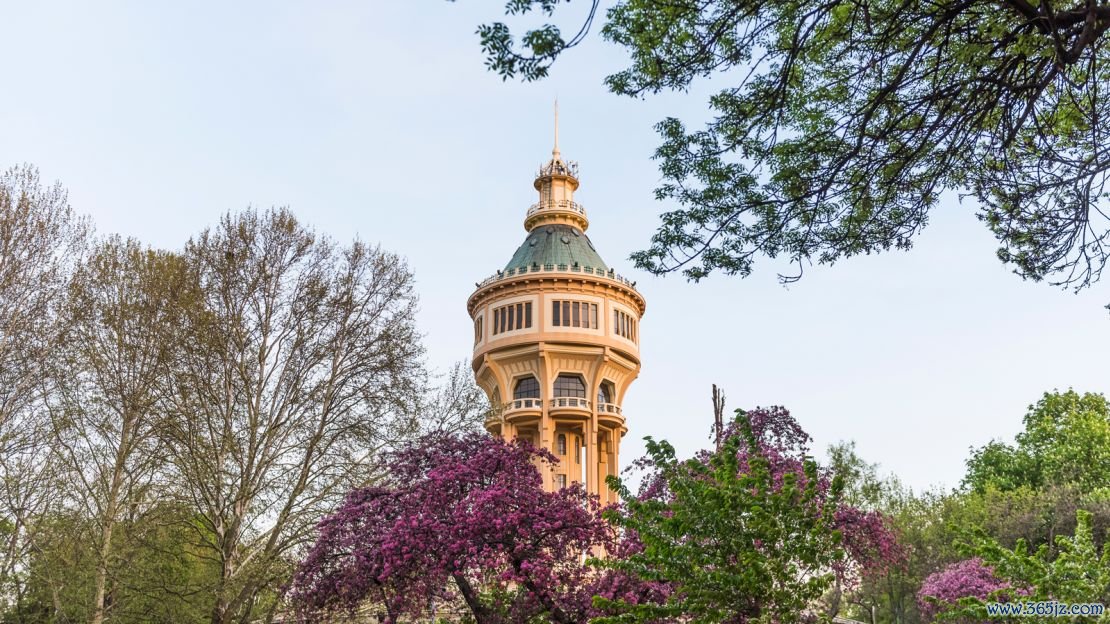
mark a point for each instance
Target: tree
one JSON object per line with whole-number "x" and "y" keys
{"x": 970, "y": 578}
{"x": 41, "y": 240}
{"x": 863, "y": 487}
{"x": 843, "y": 122}
{"x": 159, "y": 576}
{"x": 462, "y": 511}
{"x": 885, "y": 593}
{"x": 1066, "y": 441}
{"x": 751, "y": 532}
{"x": 123, "y": 310}
{"x": 456, "y": 405}
{"x": 293, "y": 368}
{"x": 1076, "y": 574}
{"x": 1026, "y": 492}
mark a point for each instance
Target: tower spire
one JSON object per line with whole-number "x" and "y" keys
{"x": 555, "y": 151}
{"x": 556, "y": 182}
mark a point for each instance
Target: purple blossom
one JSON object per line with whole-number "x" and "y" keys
{"x": 462, "y": 518}
{"x": 969, "y": 578}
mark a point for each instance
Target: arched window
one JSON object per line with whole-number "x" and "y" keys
{"x": 570, "y": 386}
{"x": 527, "y": 388}
{"x": 604, "y": 393}
{"x": 561, "y": 444}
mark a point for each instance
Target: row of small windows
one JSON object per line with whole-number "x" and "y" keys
{"x": 563, "y": 314}
{"x": 565, "y": 386}
{"x": 574, "y": 314}
{"x": 624, "y": 325}
{"x": 512, "y": 316}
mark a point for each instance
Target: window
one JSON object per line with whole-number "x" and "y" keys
{"x": 604, "y": 393}
{"x": 477, "y": 330}
{"x": 561, "y": 481}
{"x": 624, "y": 325}
{"x": 561, "y": 444}
{"x": 512, "y": 316}
{"x": 527, "y": 388}
{"x": 570, "y": 386}
{"x": 574, "y": 314}
{"x": 577, "y": 453}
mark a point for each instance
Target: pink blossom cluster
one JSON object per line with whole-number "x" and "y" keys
{"x": 463, "y": 517}
{"x": 969, "y": 578}
{"x": 869, "y": 540}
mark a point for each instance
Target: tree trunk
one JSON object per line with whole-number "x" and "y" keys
{"x": 102, "y": 573}
{"x": 481, "y": 614}
{"x": 718, "y": 416}
{"x": 111, "y": 508}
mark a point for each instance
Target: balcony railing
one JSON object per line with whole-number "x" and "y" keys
{"x": 558, "y": 167}
{"x": 557, "y": 204}
{"x": 570, "y": 402}
{"x": 523, "y": 404}
{"x": 555, "y": 268}
{"x": 608, "y": 408}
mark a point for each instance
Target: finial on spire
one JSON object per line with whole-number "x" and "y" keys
{"x": 555, "y": 151}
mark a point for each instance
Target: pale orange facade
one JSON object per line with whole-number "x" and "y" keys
{"x": 556, "y": 339}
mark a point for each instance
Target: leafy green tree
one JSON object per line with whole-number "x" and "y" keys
{"x": 1078, "y": 573}
{"x": 841, "y": 123}
{"x": 1037, "y": 516}
{"x": 297, "y": 367}
{"x": 927, "y": 524}
{"x": 885, "y": 593}
{"x": 160, "y": 577}
{"x": 1066, "y": 441}
{"x": 41, "y": 241}
{"x": 744, "y": 533}
{"x": 864, "y": 487}
{"x": 121, "y": 313}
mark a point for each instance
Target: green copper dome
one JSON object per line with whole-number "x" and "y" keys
{"x": 556, "y": 244}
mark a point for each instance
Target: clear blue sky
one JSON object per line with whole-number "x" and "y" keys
{"x": 378, "y": 119}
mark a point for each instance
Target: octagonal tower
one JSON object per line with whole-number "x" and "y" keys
{"x": 556, "y": 338}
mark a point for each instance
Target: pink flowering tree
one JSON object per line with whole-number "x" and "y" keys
{"x": 867, "y": 537}
{"x": 1077, "y": 571}
{"x": 960, "y": 585}
{"x": 754, "y": 531}
{"x": 463, "y": 518}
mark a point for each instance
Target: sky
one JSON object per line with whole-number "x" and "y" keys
{"x": 378, "y": 120}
